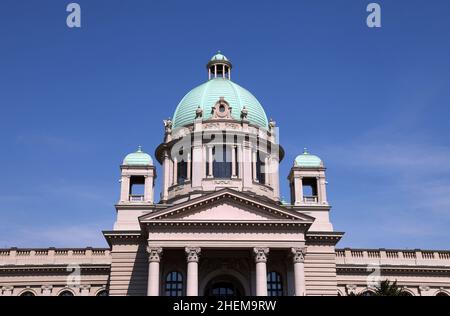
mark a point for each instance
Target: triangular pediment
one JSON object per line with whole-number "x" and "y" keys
{"x": 227, "y": 206}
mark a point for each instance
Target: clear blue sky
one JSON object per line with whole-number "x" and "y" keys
{"x": 373, "y": 103}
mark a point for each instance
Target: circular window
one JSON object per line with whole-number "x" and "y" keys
{"x": 222, "y": 109}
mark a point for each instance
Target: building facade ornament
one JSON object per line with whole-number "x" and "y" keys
{"x": 154, "y": 254}
{"x": 298, "y": 255}
{"x": 261, "y": 254}
{"x": 192, "y": 254}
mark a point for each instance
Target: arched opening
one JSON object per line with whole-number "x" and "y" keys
{"x": 442, "y": 294}
{"x": 368, "y": 293}
{"x": 102, "y": 293}
{"x": 174, "y": 284}
{"x": 66, "y": 293}
{"x": 224, "y": 286}
{"x": 27, "y": 293}
{"x": 274, "y": 284}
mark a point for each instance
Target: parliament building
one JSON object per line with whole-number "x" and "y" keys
{"x": 219, "y": 227}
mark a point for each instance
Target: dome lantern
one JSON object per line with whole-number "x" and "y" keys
{"x": 219, "y": 67}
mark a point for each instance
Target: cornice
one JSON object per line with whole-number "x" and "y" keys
{"x": 324, "y": 237}
{"x": 54, "y": 268}
{"x": 357, "y": 268}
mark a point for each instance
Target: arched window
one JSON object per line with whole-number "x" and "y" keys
{"x": 66, "y": 293}
{"x": 274, "y": 284}
{"x": 405, "y": 293}
{"x": 27, "y": 293}
{"x": 367, "y": 293}
{"x": 442, "y": 294}
{"x": 174, "y": 284}
{"x": 103, "y": 293}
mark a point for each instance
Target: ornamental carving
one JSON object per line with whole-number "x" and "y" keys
{"x": 154, "y": 254}
{"x": 221, "y": 110}
{"x": 192, "y": 254}
{"x": 231, "y": 126}
{"x": 260, "y": 254}
{"x": 222, "y": 182}
{"x": 298, "y": 255}
{"x": 212, "y": 126}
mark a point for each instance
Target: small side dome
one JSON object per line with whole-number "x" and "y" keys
{"x": 219, "y": 57}
{"x": 307, "y": 160}
{"x": 138, "y": 158}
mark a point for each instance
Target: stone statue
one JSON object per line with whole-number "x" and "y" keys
{"x": 244, "y": 113}
{"x": 168, "y": 126}
{"x": 199, "y": 112}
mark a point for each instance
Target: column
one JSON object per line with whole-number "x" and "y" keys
{"x": 246, "y": 164}
{"x": 233, "y": 161}
{"x": 261, "y": 270}
{"x": 255, "y": 157}
{"x": 192, "y": 256}
{"x": 266, "y": 171}
{"x": 323, "y": 190}
{"x": 154, "y": 257}
{"x": 298, "y": 258}
{"x": 215, "y": 71}
{"x": 125, "y": 188}
{"x": 210, "y": 161}
{"x": 223, "y": 71}
{"x": 188, "y": 176}
{"x": 209, "y": 73}
{"x": 166, "y": 166}
{"x": 148, "y": 189}
{"x": 298, "y": 190}
{"x": 175, "y": 171}
{"x": 274, "y": 175}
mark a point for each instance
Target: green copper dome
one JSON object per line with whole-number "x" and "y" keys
{"x": 308, "y": 160}
{"x": 138, "y": 158}
{"x": 219, "y": 57}
{"x": 206, "y": 96}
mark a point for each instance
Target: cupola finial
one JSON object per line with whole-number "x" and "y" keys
{"x": 219, "y": 67}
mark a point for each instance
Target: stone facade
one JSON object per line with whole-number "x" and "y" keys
{"x": 219, "y": 227}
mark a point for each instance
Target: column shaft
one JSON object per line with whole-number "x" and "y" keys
{"x": 192, "y": 256}
{"x": 154, "y": 258}
{"x": 298, "y": 257}
{"x": 261, "y": 270}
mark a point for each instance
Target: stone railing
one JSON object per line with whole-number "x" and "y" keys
{"x": 392, "y": 257}
{"x": 53, "y": 256}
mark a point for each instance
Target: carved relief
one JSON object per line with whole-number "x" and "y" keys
{"x": 192, "y": 254}
{"x": 260, "y": 254}
{"x": 221, "y": 110}
{"x": 154, "y": 254}
{"x": 298, "y": 255}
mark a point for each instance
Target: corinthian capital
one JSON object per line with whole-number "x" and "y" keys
{"x": 154, "y": 254}
{"x": 192, "y": 254}
{"x": 260, "y": 254}
{"x": 298, "y": 255}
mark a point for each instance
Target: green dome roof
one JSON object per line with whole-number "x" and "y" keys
{"x": 219, "y": 56}
{"x": 308, "y": 160}
{"x": 138, "y": 158}
{"x": 206, "y": 96}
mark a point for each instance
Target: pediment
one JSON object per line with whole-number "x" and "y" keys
{"x": 227, "y": 206}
